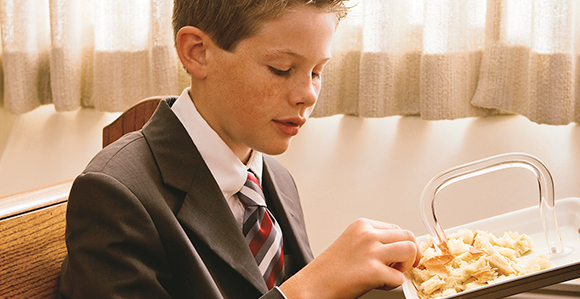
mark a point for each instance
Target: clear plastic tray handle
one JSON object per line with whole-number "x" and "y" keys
{"x": 483, "y": 166}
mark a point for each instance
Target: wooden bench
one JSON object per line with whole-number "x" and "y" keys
{"x": 32, "y": 246}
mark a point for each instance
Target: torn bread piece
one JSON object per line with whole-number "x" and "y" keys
{"x": 473, "y": 259}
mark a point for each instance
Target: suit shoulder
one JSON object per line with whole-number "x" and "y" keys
{"x": 130, "y": 149}
{"x": 276, "y": 167}
{"x": 280, "y": 176}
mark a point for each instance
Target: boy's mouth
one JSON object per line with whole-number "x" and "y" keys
{"x": 290, "y": 126}
{"x": 295, "y": 121}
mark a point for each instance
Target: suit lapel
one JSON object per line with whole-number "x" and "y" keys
{"x": 206, "y": 213}
{"x": 282, "y": 194}
{"x": 204, "y": 210}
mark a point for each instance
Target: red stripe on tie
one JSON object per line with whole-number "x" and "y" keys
{"x": 254, "y": 179}
{"x": 276, "y": 271}
{"x": 262, "y": 235}
{"x": 267, "y": 228}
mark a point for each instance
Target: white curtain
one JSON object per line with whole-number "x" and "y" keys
{"x": 450, "y": 59}
{"x": 442, "y": 59}
{"x": 106, "y": 54}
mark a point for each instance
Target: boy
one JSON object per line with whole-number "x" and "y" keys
{"x": 170, "y": 211}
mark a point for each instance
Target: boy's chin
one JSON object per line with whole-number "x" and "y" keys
{"x": 275, "y": 149}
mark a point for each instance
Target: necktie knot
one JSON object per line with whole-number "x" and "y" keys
{"x": 251, "y": 193}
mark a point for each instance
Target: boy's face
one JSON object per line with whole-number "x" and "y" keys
{"x": 259, "y": 95}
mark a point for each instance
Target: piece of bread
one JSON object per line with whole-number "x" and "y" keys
{"x": 471, "y": 260}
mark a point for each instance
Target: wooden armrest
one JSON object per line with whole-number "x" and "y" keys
{"x": 32, "y": 245}
{"x": 30, "y": 200}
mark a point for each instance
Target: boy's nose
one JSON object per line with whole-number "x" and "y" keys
{"x": 305, "y": 93}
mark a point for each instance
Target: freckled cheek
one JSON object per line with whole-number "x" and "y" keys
{"x": 254, "y": 93}
{"x": 263, "y": 94}
{"x": 260, "y": 107}
{"x": 272, "y": 94}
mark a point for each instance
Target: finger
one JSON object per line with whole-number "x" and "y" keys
{"x": 390, "y": 233}
{"x": 382, "y": 225}
{"x": 400, "y": 235}
{"x": 419, "y": 255}
{"x": 394, "y": 235}
{"x": 392, "y": 279}
{"x": 400, "y": 255}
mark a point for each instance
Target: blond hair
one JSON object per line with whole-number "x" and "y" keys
{"x": 229, "y": 21}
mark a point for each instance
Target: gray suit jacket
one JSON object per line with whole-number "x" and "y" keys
{"x": 146, "y": 219}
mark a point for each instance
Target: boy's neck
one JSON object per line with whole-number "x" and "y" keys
{"x": 242, "y": 153}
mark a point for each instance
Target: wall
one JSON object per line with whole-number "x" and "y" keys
{"x": 43, "y": 147}
{"x": 345, "y": 167}
{"x": 6, "y": 122}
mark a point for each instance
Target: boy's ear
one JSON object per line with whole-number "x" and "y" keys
{"x": 191, "y": 44}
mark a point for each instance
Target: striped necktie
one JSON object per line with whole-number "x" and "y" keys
{"x": 262, "y": 233}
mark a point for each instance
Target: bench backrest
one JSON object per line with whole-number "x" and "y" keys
{"x": 131, "y": 120}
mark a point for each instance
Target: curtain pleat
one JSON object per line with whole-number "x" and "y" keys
{"x": 25, "y": 55}
{"x": 529, "y": 62}
{"x": 69, "y": 53}
{"x": 133, "y": 63}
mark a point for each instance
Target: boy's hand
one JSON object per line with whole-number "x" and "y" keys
{"x": 368, "y": 255}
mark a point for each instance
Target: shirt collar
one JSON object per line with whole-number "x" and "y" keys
{"x": 228, "y": 171}
{"x": 256, "y": 165}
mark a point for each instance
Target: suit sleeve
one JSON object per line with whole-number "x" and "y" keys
{"x": 114, "y": 249}
{"x": 275, "y": 293}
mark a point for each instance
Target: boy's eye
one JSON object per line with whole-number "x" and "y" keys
{"x": 278, "y": 72}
